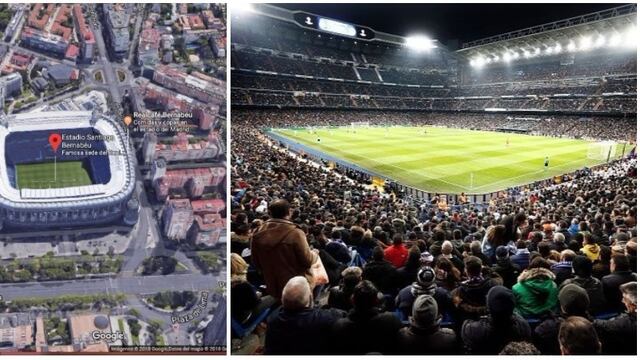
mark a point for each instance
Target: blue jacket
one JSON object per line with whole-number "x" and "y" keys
{"x": 521, "y": 258}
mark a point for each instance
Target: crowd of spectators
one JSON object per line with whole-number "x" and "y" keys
{"x": 600, "y": 128}
{"x": 390, "y": 96}
{"x": 548, "y": 269}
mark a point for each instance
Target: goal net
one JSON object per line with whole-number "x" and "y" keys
{"x": 359, "y": 124}
{"x": 602, "y": 150}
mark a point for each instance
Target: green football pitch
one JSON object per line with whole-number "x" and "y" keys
{"x": 450, "y": 160}
{"x": 49, "y": 175}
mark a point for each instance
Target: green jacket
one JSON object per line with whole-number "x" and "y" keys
{"x": 536, "y": 292}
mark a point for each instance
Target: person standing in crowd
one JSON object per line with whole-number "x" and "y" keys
{"x": 521, "y": 257}
{"x": 489, "y": 334}
{"x": 280, "y": 251}
{"x": 619, "y": 335}
{"x": 298, "y": 322}
{"x": 590, "y": 248}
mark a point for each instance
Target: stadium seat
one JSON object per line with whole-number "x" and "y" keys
{"x": 242, "y": 330}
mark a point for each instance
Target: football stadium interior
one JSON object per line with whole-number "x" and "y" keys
{"x": 434, "y": 199}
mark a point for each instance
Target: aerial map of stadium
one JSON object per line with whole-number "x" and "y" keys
{"x": 112, "y": 178}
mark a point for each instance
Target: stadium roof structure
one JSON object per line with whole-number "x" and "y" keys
{"x": 617, "y": 19}
{"x": 364, "y": 33}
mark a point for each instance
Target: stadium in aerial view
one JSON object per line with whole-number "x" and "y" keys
{"x": 448, "y": 178}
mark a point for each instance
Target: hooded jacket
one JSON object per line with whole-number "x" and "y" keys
{"x": 592, "y": 251}
{"x": 279, "y": 250}
{"x": 536, "y": 292}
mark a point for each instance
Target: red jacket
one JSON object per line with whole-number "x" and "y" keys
{"x": 397, "y": 255}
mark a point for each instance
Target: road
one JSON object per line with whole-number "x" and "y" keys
{"x": 126, "y": 284}
{"x": 108, "y": 72}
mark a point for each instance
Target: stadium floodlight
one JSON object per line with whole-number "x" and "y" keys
{"x": 515, "y": 55}
{"x": 526, "y": 53}
{"x": 631, "y": 37}
{"x": 472, "y": 62}
{"x": 419, "y": 43}
{"x": 558, "y": 48}
{"x": 548, "y": 50}
{"x": 496, "y": 58}
{"x": 615, "y": 39}
{"x": 571, "y": 46}
{"x": 585, "y": 43}
{"x": 506, "y": 56}
{"x": 536, "y": 51}
{"x": 242, "y": 7}
{"x": 600, "y": 41}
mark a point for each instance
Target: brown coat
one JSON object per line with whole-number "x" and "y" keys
{"x": 280, "y": 251}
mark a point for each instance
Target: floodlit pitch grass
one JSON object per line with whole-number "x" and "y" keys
{"x": 449, "y": 160}
{"x": 43, "y": 176}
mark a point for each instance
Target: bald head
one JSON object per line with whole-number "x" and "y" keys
{"x": 296, "y": 295}
{"x": 447, "y": 247}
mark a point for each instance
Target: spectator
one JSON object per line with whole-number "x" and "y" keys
{"x": 381, "y": 273}
{"x": 489, "y": 334}
{"x": 424, "y": 335}
{"x": 521, "y": 257}
{"x": 448, "y": 252}
{"x": 280, "y": 251}
{"x": 366, "y": 329}
{"x": 620, "y": 274}
{"x": 536, "y": 292}
{"x": 602, "y": 265}
{"x": 577, "y": 336}
{"x": 476, "y": 250}
{"x": 289, "y": 332}
{"x": 582, "y": 277}
{"x": 246, "y": 302}
{"x": 504, "y": 267}
{"x": 564, "y": 269}
{"x": 512, "y": 224}
{"x": 519, "y": 348}
{"x": 496, "y": 236}
{"x": 337, "y": 248}
{"x": 558, "y": 243}
{"x": 397, "y": 253}
{"x": 425, "y": 284}
{"x": 574, "y": 301}
{"x": 447, "y": 275}
{"x": 619, "y": 335}
{"x": 469, "y": 298}
{"x": 409, "y": 271}
{"x": 589, "y": 247}
{"x": 340, "y": 296}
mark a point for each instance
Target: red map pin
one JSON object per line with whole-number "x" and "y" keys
{"x": 54, "y": 141}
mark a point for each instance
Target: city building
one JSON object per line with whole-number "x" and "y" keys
{"x": 177, "y": 218}
{"x": 18, "y": 62}
{"x": 196, "y": 85}
{"x": 207, "y": 230}
{"x": 85, "y": 35}
{"x": 117, "y": 24}
{"x": 183, "y": 147}
{"x": 194, "y": 181}
{"x": 51, "y": 44}
{"x": 148, "y": 47}
{"x": 72, "y": 53}
{"x": 62, "y": 74}
{"x": 39, "y": 16}
{"x": 16, "y": 331}
{"x": 10, "y": 85}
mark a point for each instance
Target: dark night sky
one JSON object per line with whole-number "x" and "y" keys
{"x": 464, "y": 22}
